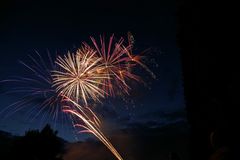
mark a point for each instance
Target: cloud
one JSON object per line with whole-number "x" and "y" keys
{"x": 159, "y": 114}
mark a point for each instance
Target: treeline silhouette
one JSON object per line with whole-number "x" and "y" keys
{"x": 34, "y": 145}
{"x": 211, "y": 79}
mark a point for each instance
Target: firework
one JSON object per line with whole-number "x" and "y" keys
{"x": 78, "y": 79}
{"x": 78, "y": 76}
{"x": 117, "y": 64}
{"x": 94, "y": 72}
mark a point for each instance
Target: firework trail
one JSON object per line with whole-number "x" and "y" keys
{"x": 91, "y": 123}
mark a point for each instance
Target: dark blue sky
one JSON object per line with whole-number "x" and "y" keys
{"x": 61, "y": 26}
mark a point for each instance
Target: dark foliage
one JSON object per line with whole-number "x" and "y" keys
{"x": 210, "y": 73}
{"x": 34, "y": 145}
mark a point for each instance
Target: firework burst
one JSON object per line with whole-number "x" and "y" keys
{"x": 117, "y": 64}
{"x": 78, "y": 76}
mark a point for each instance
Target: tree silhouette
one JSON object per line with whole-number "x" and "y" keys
{"x": 35, "y": 145}
{"x": 211, "y": 81}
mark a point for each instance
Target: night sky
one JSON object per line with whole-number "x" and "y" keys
{"x": 56, "y": 27}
